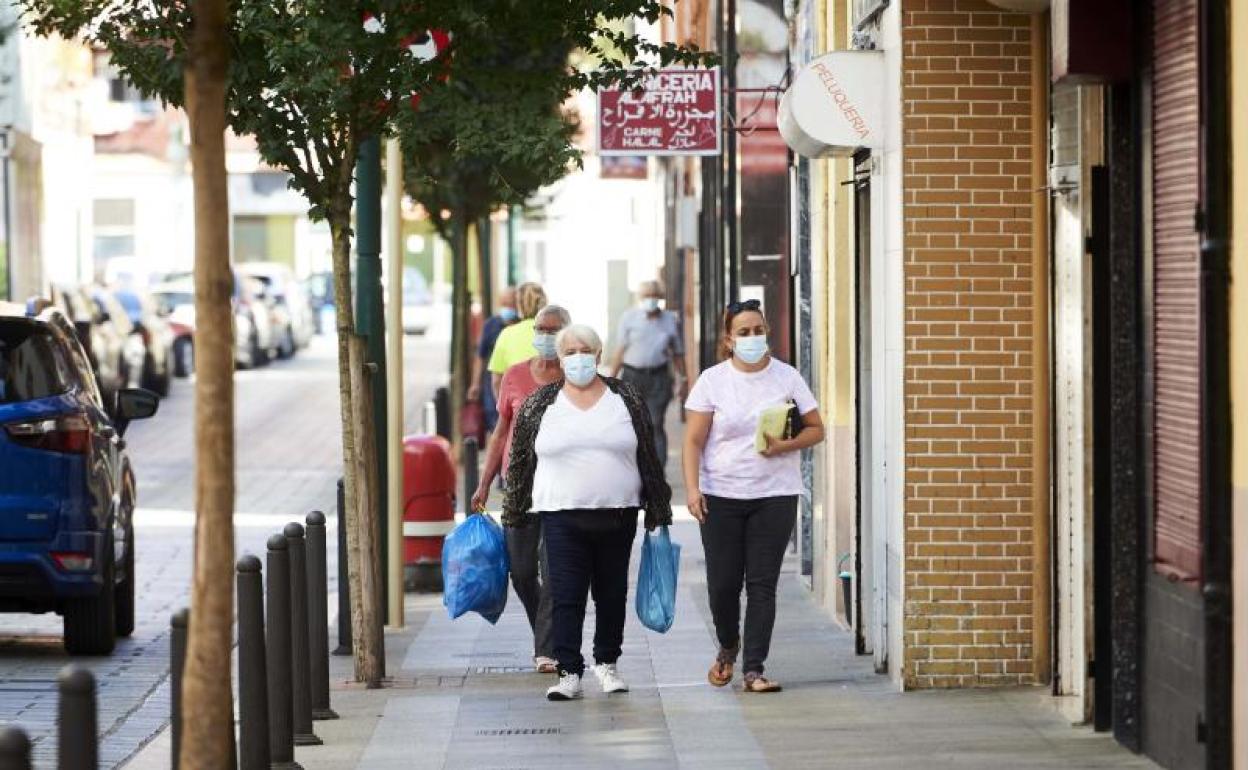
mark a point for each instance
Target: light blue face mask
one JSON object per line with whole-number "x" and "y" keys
{"x": 649, "y": 304}
{"x": 580, "y": 368}
{"x": 508, "y": 314}
{"x": 544, "y": 344}
{"x": 750, "y": 349}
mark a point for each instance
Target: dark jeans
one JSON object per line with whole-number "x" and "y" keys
{"x": 530, "y": 578}
{"x": 745, "y": 541}
{"x": 655, "y": 386}
{"x": 589, "y": 550}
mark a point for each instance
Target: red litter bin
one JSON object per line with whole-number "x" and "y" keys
{"x": 428, "y": 509}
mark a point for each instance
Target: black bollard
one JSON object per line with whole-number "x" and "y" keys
{"x": 442, "y": 404}
{"x": 277, "y": 661}
{"x": 78, "y": 743}
{"x": 300, "y": 665}
{"x": 344, "y": 585}
{"x": 253, "y": 685}
{"x": 318, "y": 616}
{"x": 179, "y": 625}
{"x": 471, "y": 473}
{"x": 14, "y": 749}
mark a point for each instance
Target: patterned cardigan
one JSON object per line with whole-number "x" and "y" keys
{"x": 656, "y": 495}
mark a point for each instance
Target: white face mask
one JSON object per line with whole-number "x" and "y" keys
{"x": 580, "y": 368}
{"x": 750, "y": 349}
{"x": 545, "y": 345}
{"x": 649, "y": 304}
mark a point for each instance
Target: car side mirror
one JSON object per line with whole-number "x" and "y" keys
{"x": 134, "y": 404}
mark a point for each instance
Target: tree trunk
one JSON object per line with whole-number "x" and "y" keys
{"x": 461, "y": 323}
{"x": 207, "y": 701}
{"x": 359, "y": 470}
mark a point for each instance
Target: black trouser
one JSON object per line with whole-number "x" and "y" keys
{"x": 655, "y": 386}
{"x": 588, "y": 550}
{"x": 745, "y": 541}
{"x": 531, "y": 579}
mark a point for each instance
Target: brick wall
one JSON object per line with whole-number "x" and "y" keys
{"x": 966, "y": 72}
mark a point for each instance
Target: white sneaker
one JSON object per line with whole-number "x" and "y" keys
{"x": 610, "y": 678}
{"x": 569, "y": 688}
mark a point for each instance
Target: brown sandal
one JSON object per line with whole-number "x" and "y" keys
{"x": 721, "y": 670}
{"x": 756, "y": 682}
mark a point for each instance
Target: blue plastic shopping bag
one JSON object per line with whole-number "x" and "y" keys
{"x": 656, "y": 581}
{"x": 474, "y": 568}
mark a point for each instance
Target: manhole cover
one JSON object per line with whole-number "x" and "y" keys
{"x": 500, "y": 669}
{"x": 483, "y": 655}
{"x": 498, "y": 732}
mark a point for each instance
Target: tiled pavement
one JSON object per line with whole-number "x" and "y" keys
{"x": 462, "y": 695}
{"x": 288, "y": 460}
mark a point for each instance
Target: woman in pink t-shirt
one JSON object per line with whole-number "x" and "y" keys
{"x": 527, "y": 560}
{"x": 745, "y": 500}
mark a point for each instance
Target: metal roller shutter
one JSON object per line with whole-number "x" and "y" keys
{"x": 1176, "y": 289}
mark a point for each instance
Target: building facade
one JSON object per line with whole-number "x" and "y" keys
{"x": 1014, "y": 302}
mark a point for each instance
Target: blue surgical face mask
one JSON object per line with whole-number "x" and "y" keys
{"x": 580, "y": 368}
{"x": 649, "y": 304}
{"x": 508, "y": 314}
{"x": 545, "y": 345}
{"x": 750, "y": 349}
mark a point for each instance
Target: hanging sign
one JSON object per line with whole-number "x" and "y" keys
{"x": 671, "y": 112}
{"x": 835, "y": 105}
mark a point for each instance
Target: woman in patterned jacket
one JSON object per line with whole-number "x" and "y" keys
{"x": 583, "y": 459}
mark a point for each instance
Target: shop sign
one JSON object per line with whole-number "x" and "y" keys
{"x": 671, "y": 112}
{"x": 834, "y": 106}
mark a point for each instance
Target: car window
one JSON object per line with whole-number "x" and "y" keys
{"x": 31, "y": 364}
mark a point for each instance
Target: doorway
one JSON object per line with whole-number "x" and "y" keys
{"x": 864, "y": 599}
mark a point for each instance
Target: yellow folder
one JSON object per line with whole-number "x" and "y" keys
{"x": 772, "y": 422}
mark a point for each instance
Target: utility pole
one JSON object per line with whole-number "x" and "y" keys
{"x": 394, "y": 383}
{"x": 370, "y": 321}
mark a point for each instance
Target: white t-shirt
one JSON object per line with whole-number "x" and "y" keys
{"x": 731, "y": 467}
{"x": 586, "y": 459}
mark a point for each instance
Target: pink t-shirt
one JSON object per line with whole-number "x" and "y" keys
{"x": 731, "y": 467}
{"x": 516, "y": 387}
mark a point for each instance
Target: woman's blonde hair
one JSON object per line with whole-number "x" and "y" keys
{"x": 530, "y": 298}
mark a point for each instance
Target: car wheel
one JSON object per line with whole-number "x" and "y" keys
{"x": 259, "y": 356}
{"x": 183, "y": 357}
{"x": 125, "y": 589}
{"x": 91, "y": 622}
{"x": 288, "y": 347}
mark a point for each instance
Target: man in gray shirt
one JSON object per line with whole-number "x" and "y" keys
{"x": 648, "y": 346}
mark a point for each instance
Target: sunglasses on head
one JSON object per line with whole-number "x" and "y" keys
{"x": 741, "y": 307}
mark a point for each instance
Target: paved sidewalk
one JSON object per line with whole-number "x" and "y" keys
{"x": 463, "y": 695}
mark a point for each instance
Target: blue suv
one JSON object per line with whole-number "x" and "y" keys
{"x": 67, "y": 491}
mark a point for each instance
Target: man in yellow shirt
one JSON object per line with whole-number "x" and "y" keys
{"x": 516, "y": 342}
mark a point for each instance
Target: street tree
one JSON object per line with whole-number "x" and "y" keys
{"x": 528, "y": 144}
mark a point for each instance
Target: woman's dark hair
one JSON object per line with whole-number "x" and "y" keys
{"x": 733, "y": 310}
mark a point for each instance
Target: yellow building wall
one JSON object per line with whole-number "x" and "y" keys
{"x": 1239, "y": 368}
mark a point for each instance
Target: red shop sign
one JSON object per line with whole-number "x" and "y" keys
{"x": 672, "y": 112}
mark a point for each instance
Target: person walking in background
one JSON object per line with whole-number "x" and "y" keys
{"x": 482, "y": 389}
{"x": 582, "y": 463}
{"x": 515, "y": 343}
{"x": 524, "y": 545}
{"x": 745, "y": 499}
{"x": 649, "y": 346}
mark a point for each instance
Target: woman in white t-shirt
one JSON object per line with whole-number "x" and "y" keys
{"x": 746, "y": 500}
{"x": 583, "y": 459}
